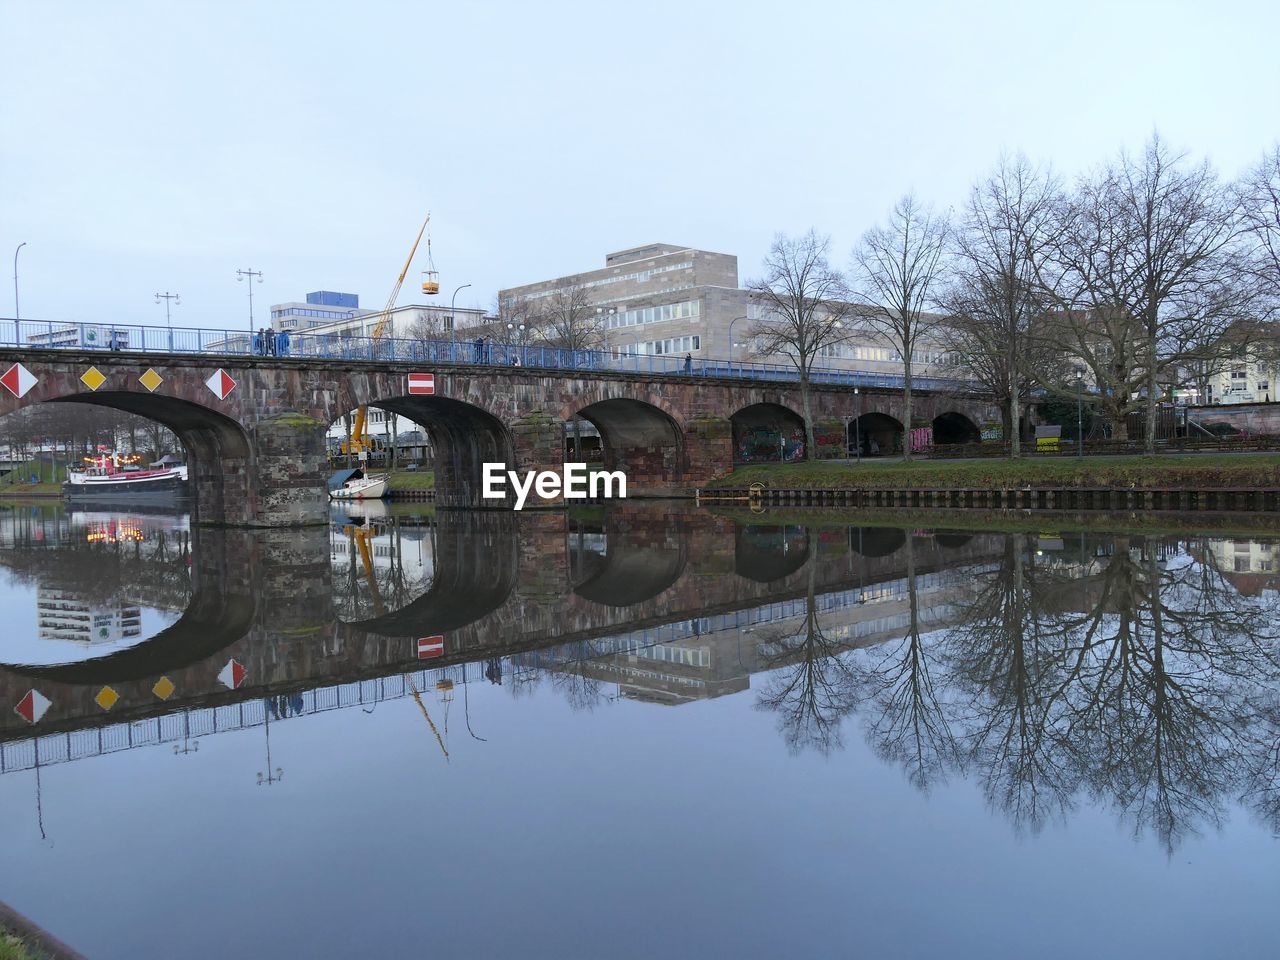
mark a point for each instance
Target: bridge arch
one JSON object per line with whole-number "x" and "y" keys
{"x": 464, "y": 437}
{"x": 618, "y": 566}
{"x": 767, "y": 432}
{"x": 473, "y": 578}
{"x": 955, "y": 427}
{"x": 640, "y": 439}
{"x": 878, "y": 433}
{"x": 768, "y": 552}
{"x": 217, "y": 446}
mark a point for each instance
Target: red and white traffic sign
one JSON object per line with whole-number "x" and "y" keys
{"x": 233, "y": 674}
{"x": 33, "y": 706}
{"x": 422, "y": 383}
{"x": 429, "y": 647}
{"x": 18, "y": 380}
{"x": 220, "y": 383}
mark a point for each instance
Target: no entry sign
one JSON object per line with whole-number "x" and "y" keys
{"x": 422, "y": 383}
{"x": 429, "y": 647}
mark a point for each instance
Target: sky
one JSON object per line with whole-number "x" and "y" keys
{"x": 159, "y": 147}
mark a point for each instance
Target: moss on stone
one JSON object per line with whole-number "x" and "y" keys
{"x": 299, "y": 421}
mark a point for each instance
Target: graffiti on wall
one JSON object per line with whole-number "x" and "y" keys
{"x": 763, "y": 445}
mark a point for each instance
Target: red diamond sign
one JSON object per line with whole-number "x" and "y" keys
{"x": 233, "y": 674}
{"x": 422, "y": 383}
{"x": 33, "y": 706}
{"x": 429, "y": 647}
{"x": 220, "y": 383}
{"x": 18, "y": 380}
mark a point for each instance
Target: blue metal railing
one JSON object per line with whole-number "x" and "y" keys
{"x": 65, "y": 335}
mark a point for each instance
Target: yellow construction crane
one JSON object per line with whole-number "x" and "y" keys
{"x": 361, "y": 539}
{"x": 359, "y": 442}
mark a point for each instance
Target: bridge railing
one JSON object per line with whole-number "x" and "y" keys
{"x": 54, "y": 334}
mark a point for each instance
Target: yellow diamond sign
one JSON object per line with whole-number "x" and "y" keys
{"x": 93, "y": 378}
{"x": 106, "y": 698}
{"x": 151, "y": 379}
{"x": 164, "y": 688}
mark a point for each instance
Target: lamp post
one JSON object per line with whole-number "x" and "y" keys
{"x": 168, "y": 298}
{"x": 453, "y": 323}
{"x": 857, "y": 425}
{"x": 605, "y": 323}
{"x": 731, "y": 323}
{"x": 516, "y": 330}
{"x": 1079, "y": 413}
{"x": 17, "y": 335}
{"x": 250, "y": 273}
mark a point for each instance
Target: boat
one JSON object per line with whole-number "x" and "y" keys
{"x": 355, "y": 484}
{"x": 116, "y": 478}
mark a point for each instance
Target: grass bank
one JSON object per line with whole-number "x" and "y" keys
{"x": 405, "y": 480}
{"x": 1188, "y": 472}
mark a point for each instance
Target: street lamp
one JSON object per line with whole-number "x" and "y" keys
{"x": 857, "y": 425}
{"x": 1079, "y": 413}
{"x": 453, "y": 323}
{"x": 607, "y": 324}
{"x": 250, "y": 273}
{"x": 17, "y": 335}
{"x": 731, "y": 323}
{"x": 168, "y": 298}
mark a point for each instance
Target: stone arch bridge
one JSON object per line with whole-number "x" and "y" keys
{"x": 254, "y": 427}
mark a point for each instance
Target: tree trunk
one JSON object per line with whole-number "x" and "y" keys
{"x": 1149, "y": 441}
{"x": 810, "y": 445}
{"x": 1015, "y": 412}
{"x": 906, "y": 409}
{"x": 1119, "y": 423}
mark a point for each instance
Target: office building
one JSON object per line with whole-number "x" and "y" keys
{"x": 665, "y": 299}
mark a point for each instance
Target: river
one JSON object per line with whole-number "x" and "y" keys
{"x": 638, "y": 731}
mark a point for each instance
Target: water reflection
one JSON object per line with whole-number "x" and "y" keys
{"x": 85, "y": 584}
{"x": 1139, "y": 673}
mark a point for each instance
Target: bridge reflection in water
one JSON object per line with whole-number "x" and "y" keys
{"x": 1140, "y": 670}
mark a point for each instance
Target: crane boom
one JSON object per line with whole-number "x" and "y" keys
{"x": 359, "y": 443}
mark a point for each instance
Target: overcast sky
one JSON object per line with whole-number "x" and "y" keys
{"x": 150, "y": 147}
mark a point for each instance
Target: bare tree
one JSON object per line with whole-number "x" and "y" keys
{"x": 429, "y": 325}
{"x": 993, "y": 302}
{"x": 1259, "y": 194}
{"x": 896, "y": 269}
{"x": 803, "y": 301}
{"x": 567, "y": 319}
{"x": 1144, "y": 270}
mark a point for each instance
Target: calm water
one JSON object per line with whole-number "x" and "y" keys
{"x": 640, "y": 732}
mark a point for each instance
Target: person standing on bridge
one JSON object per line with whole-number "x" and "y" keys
{"x": 688, "y": 363}
{"x": 479, "y": 350}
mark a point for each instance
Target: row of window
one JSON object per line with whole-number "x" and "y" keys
{"x": 311, "y": 312}
{"x": 667, "y": 311}
{"x": 659, "y": 348}
{"x": 845, "y": 351}
{"x": 604, "y": 281}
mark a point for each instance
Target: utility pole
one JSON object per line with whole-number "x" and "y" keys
{"x": 17, "y": 334}
{"x": 250, "y": 273}
{"x": 168, "y": 298}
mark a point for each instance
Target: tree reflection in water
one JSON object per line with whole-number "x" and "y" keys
{"x": 1135, "y": 673}
{"x": 811, "y": 686}
{"x": 392, "y": 577}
